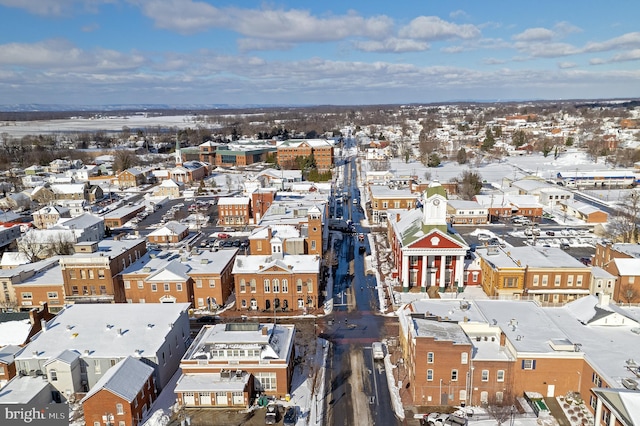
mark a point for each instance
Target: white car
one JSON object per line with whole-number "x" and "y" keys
{"x": 483, "y": 237}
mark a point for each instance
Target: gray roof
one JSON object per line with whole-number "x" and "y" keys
{"x": 125, "y": 379}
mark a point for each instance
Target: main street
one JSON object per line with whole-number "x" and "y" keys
{"x": 357, "y": 391}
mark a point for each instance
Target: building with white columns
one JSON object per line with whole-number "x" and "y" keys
{"x": 426, "y": 251}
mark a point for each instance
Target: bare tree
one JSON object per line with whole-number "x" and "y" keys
{"x": 469, "y": 184}
{"x": 124, "y": 159}
{"x": 501, "y": 406}
{"x": 379, "y": 165}
{"x": 628, "y": 293}
{"x": 623, "y": 225}
{"x": 31, "y": 246}
{"x": 60, "y": 244}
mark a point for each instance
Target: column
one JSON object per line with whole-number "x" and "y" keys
{"x": 425, "y": 260}
{"x": 459, "y": 271}
{"x": 442, "y": 275}
{"x": 405, "y": 273}
{"x": 597, "y": 416}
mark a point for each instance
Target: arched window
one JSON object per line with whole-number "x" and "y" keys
{"x": 253, "y": 285}
{"x": 243, "y": 286}
{"x": 267, "y": 286}
{"x": 267, "y": 304}
{"x": 276, "y": 285}
{"x": 285, "y": 286}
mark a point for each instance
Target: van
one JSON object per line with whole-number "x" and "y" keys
{"x": 378, "y": 352}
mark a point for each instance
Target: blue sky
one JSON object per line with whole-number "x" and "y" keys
{"x": 185, "y": 52}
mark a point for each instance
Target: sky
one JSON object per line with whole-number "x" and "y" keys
{"x": 189, "y": 52}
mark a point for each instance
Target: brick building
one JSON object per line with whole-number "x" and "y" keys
{"x": 171, "y": 233}
{"x": 234, "y": 211}
{"x": 382, "y": 199}
{"x": 225, "y": 364}
{"x": 321, "y": 150}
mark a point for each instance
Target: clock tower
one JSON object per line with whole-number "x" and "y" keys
{"x": 435, "y": 205}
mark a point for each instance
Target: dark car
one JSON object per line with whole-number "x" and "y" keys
{"x": 550, "y": 233}
{"x": 207, "y": 319}
{"x": 290, "y": 417}
{"x": 236, "y": 243}
{"x": 272, "y": 416}
{"x": 362, "y": 249}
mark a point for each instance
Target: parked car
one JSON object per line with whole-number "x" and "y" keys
{"x": 550, "y": 233}
{"x": 483, "y": 237}
{"x": 272, "y": 416}
{"x": 290, "y": 417}
{"x": 360, "y": 237}
{"x": 223, "y": 236}
{"x": 207, "y": 319}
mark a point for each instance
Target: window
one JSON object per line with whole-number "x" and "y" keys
{"x": 413, "y": 260}
{"x": 569, "y": 280}
{"x": 91, "y": 274}
{"x": 285, "y": 286}
{"x": 500, "y": 376}
{"x": 276, "y": 285}
{"x": 579, "y": 281}
{"x": 536, "y": 280}
{"x": 313, "y": 244}
{"x": 101, "y": 274}
{"x": 300, "y": 303}
{"x": 52, "y": 294}
{"x": 299, "y": 285}
{"x": 454, "y": 375}
{"x": 97, "y": 369}
{"x": 631, "y": 280}
{"x": 485, "y": 375}
{"x": 212, "y": 283}
{"x": 545, "y": 280}
{"x": 127, "y": 284}
{"x": 199, "y": 283}
{"x": 253, "y": 286}
{"x": 309, "y": 286}
{"x": 499, "y": 397}
{"x": 179, "y": 286}
{"x": 53, "y": 375}
{"x": 119, "y": 408}
{"x": 167, "y": 287}
{"x": 510, "y": 282}
{"x": 266, "y": 381}
{"x": 429, "y": 375}
{"x": 596, "y": 380}
{"x": 464, "y": 358}
{"x": 267, "y": 286}
{"x": 528, "y": 364}
{"x": 243, "y": 286}
{"x": 556, "y": 280}
{"x": 429, "y": 357}
{"x": 154, "y": 287}
{"x": 27, "y": 295}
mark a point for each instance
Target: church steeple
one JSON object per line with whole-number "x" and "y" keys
{"x": 178, "y": 153}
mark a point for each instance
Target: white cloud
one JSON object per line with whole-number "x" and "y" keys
{"x": 453, "y": 49}
{"x": 565, "y": 28}
{"x": 626, "y": 41}
{"x": 547, "y": 50}
{"x": 631, "y": 55}
{"x": 493, "y": 61}
{"x": 432, "y": 28}
{"x": 55, "y": 7}
{"x": 293, "y": 25}
{"x": 255, "y": 44}
{"x": 459, "y": 14}
{"x": 391, "y": 45}
{"x": 535, "y": 34}
{"x": 567, "y": 65}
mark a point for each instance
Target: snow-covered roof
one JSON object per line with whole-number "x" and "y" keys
{"x": 465, "y": 205}
{"x": 212, "y": 382}
{"x": 233, "y": 201}
{"x": 295, "y": 264}
{"x": 284, "y": 232}
{"x": 13, "y": 258}
{"x": 14, "y": 332}
{"x": 47, "y": 210}
{"x": 580, "y": 206}
{"x": 628, "y": 267}
{"x": 22, "y": 389}
{"x": 627, "y": 248}
{"x": 169, "y": 229}
{"x": 116, "y": 330}
{"x": 83, "y": 221}
{"x": 383, "y": 191}
{"x": 122, "y": 211}
{"x": 68, "y": 188}
{"x": 66, "y": 356}
{"x": 531, "y": 256}
{"x": 125, "y": 379}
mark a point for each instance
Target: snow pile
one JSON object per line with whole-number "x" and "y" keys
{"x": 14, "y": 332}
{"x": 158, "y": 418}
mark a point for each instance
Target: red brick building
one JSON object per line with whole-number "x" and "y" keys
{"x": 122, "y": 396}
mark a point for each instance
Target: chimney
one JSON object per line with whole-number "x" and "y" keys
{"x": 119, "y": 332}
{"x": 86, "y": 352}
{"x": 397, "y": 217}
{"x": 603, "y": 299}
{"x": 43, "y": 325}
{"x": 265, "y": 331}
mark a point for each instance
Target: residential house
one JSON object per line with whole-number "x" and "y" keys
{"x": 622, "y": 260}
{"x": 261, "y": 199}
{"x": 229, "y": 364}
{"x": 124, "y": 394}
{"x": 70, "y": 191}
{"x": 18, "y": 201}
{"x": 497, "y": 205}
{"x": 168, "y": 188}
{"x": 7, "y": 363}
{"x": 49, "y": 216}
{"x": 171, "y": 233}
{"x": 463, "y": 212}
{"x": 425, "y": 250}
{"x": 93, "y": 273}
{"x": 602, "y": 282}
{"x": 211, "y": 272}
{"x": 9, "y": 233}
{"x": 38, "y": 283}
{"x": 158, "y": 278}
{"x": 131, "y": 178}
